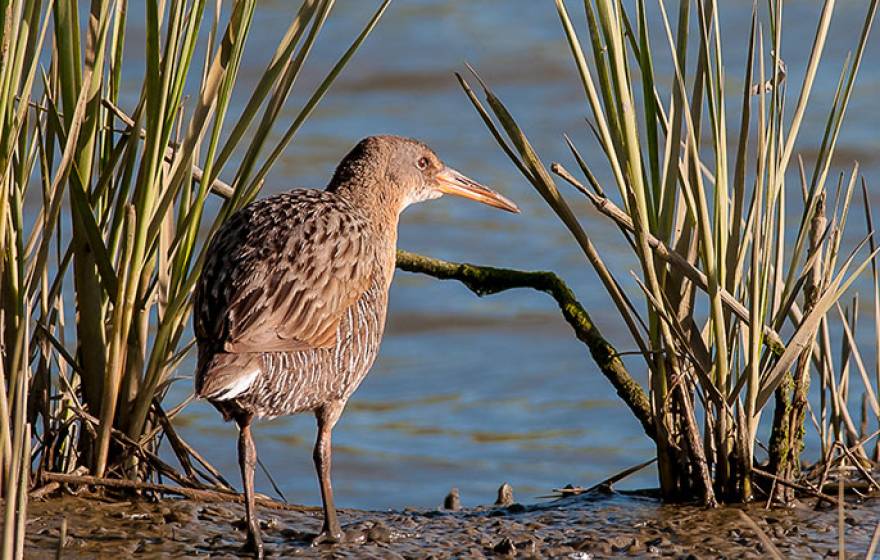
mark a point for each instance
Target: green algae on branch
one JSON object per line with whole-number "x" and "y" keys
{"x": 486, "y": 280}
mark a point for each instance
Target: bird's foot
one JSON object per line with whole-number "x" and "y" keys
{"x": 253, "y": 545}
{"x": 329, "y": 536}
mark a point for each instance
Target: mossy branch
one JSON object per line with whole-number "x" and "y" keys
{"x": 485, "y": 280}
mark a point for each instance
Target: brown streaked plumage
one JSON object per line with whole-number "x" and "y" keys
{"x": 290, "y": 307}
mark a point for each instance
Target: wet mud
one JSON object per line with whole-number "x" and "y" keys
{"x": 580, "y": 527}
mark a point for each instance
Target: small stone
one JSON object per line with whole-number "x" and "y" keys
{"x": 505, "y": 546}
{"x": 452, "y": 502}
{"x": 505, "y": 495}
{"x": 379, "y": 533}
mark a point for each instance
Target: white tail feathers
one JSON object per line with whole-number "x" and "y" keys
{"x": 234, "y": 386}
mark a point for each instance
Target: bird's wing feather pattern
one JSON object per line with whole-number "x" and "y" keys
{"x": 280, "y": 274}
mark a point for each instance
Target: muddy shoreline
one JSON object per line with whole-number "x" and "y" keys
{"x": 580, "y": 527}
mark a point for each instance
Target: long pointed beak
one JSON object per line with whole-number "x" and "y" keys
{"x": 450, "y": 181}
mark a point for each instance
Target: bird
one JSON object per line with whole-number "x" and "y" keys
{"x": 290, "y": 306}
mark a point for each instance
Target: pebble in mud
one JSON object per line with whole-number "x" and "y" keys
{"x": 379, "y": 533}
{"x": 505, "y": 495}
{"x": 452, "y": 502}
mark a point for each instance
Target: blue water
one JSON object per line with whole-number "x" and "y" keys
{"x": 471, "y": 392}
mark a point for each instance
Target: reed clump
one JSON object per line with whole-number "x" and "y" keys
{"x": 102, "y": 217}
{"x": 743, "y": 296}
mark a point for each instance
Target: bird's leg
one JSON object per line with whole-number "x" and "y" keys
{"x": 247, "y": 462}
{"x": 327, "y": 417}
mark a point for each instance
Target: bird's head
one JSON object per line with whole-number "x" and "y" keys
{"x": 395, "y": 172}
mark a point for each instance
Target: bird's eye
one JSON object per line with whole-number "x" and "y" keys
{"x": 423, "y": 163}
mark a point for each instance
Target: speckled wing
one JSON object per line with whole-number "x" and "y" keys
{"x": 280, "y": 274}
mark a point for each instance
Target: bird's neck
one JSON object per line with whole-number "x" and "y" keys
{"x": 381, "y": 210}
{"x": 379, "y": 203}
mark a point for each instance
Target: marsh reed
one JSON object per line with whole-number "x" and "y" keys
{"x": 742, "y": 295}
{"x": 102, "y": 216}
